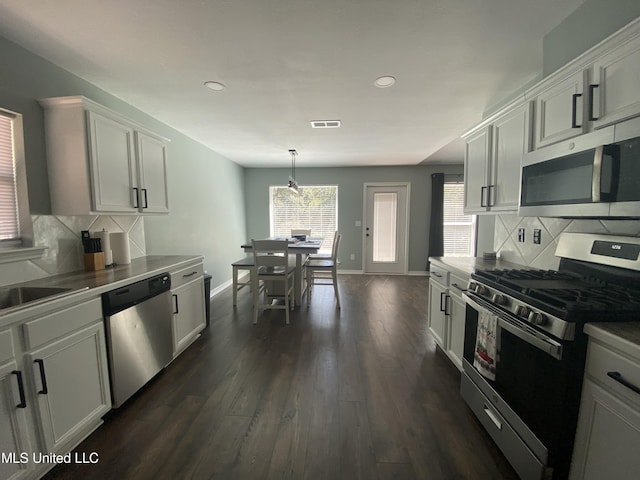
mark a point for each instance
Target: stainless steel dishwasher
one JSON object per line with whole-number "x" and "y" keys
{"x": 138, "y": 325}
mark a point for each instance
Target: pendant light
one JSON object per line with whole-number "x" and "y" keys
{"x": 293, "y": 184}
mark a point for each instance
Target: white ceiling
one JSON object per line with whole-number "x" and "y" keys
{"x": 287, "y": 62}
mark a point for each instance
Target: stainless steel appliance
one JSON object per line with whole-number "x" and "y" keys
{"x": 594, "y": 175}
{"x": 527, "y": 394}
{"x": 138, "y": 325}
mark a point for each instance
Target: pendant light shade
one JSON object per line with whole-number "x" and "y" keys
{"x": 293, "y": 184}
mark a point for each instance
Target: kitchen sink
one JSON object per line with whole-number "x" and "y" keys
{"x": 15, "y": 296}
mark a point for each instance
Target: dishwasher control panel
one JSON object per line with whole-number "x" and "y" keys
{"x": 125, "y": 297}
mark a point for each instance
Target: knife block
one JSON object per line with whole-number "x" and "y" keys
{"x": 93, "y": 261}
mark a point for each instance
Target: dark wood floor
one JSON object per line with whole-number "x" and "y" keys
{"x": 357, "y": 393}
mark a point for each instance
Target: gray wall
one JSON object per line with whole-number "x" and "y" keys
{"x": 588, "y": 25}
{"x": 350, "y": 181}
{"x": 205, "y": 189}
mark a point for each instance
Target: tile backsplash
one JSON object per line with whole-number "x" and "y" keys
{"x": 61, "y": 235}
{"x": 506, "y": 244}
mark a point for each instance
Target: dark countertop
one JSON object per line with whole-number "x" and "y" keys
{"x": 468, "y": 265}
{"x": 84, "y": 286}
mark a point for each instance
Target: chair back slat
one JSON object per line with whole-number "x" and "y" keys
{"x": 270, "y": 253}
{"x": 336, "y": 244}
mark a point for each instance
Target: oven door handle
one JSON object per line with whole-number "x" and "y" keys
{"x": 547, "y": 346}
{"x": 537, "y": 340}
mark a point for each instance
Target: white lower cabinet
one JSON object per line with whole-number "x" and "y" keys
{"x": 54, "y": 385}
{"x": 71, "y": 382}
{"x": 188, "y": 313}
{"x": 446, "y": 314}
{"x": 17, "y": 435}
{"x": 455, "y": 332}
{"x": 608, "y": 433}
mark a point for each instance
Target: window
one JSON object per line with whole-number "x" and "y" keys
{"x": 459, "y": 229}
{"x": 9, "y": 225}
{"x": 314, "y": 207}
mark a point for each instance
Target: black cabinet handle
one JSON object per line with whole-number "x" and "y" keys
{"x": 43, "y": 376}
{"x": 175, "y": 304}
{"x": 187, "y": 275}
{"x": 436, "y": 274}
{"x": 574, "y": 110}
{"x": 591, "y": 89}
{"x": 146, "y": 202}
{"x": 482, "y": 195}
{"x": 23, "y": 400}
{"x": 136, "y": 196}
{"x": 442, "y": 300}
{"x": 458, "y": 287}
{"x": 447, "y": 302}
{"x": 617, "y": 376}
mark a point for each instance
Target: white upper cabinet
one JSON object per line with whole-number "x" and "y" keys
{"x": 560, "y": 110}
{"x": 476, "y": 165}
{"x": 100, "y": 162}
{"x": 615, "y": 85}
{"x": 152, "y": 161}
{"x": 493, "y": 157}
{"x": 511, "y": 140}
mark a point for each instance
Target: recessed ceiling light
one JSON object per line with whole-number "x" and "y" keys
{"x": 384, "y": 82}
{"x": 217, "y": 86}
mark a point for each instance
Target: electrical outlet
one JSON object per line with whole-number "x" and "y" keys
{"x": 521, "y": 234}
{"x": 352, "y": 256}
{"x": 537, "y": 233}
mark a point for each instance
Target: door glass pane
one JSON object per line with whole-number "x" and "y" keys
{"x": 385, "y": 208}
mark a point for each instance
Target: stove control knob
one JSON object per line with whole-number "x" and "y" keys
{"x": 523, "y": 311}
{"x": 472, "y": 286}
{"x": 537, "y": 318}
{"x": 499, "y": 299}
{"x": 481, "y": 290}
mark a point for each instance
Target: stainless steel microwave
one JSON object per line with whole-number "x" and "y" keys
{"x": 594, "y": 175}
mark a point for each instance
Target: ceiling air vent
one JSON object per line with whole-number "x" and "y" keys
{"x": 325, "y": 123}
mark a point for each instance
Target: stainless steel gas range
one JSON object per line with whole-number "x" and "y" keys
{"x": 525, "y": 348}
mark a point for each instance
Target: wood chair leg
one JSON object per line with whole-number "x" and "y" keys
{"x": 235, "y": 286}
{"x": 255, "y": 295}
{"x": 334, "y": 276}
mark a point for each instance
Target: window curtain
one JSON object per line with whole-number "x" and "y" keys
{"x": 436, "y": 240}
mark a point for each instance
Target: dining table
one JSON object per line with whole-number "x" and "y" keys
{"x": 299, "y": 248}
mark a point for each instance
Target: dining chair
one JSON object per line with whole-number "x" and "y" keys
{"x": 245, "y": 263}
{"x": 319, "y": 270}
{"x": 271, "y": 260}
{"x": 326, "y": 255}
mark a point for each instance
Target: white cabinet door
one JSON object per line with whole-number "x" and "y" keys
{"x": 511, "y": 139}
{"x": 71, "y": 382}
{"x": 616, "y": 85}
{"x": 476, "y": 165}
{"x": 455, "y": 337}
{"x": 607, "y": 439}
{"x": 560, "y": 112}
{"x": 113, "y": 168}
{"x": 188, "y": 314}
{"x": 152, "y": 161}
{"x": 437, "y": 318}
{"x": 15, "y": 435}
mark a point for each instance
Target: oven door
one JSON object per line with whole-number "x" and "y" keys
{"x": 537, "y": 383}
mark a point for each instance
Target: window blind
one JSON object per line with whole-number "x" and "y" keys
{"x": 459, "y": 230}
{"x": 314, "y": 207}
{"x": 9, "y": 228}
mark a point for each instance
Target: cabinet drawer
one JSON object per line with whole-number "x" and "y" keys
{"x": 184, "y": 275}
{"x": 458, "y": 284}
{"x": 6, "y": 346}
{"x": 54, "y": 325}
{"x": 602, "y": 362}
{"x": 439, "y": 275}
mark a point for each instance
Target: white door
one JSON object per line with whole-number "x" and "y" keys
{"x": 386, "y": 225}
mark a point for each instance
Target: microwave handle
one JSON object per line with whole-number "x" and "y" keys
{"x": 596, "y": 181}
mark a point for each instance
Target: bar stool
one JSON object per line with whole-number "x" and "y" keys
{"x": 245, "y": 263}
